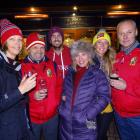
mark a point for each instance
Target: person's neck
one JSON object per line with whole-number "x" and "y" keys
{"x": 99, "y": 55}
{"x": 128, "y": 49}
{"x": 10, "y": 56}
{"x": 58, "y": 50}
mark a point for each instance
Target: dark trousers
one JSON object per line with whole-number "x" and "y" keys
{"x": 49, "y": 130}
{"x": 103, "y": 123}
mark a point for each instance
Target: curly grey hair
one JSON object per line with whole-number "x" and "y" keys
{"x": 81, "y": 46}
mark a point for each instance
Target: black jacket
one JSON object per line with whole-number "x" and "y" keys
{"x": 13, "y": 118}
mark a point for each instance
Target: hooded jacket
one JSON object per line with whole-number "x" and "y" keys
{"x": 63, "y": 60}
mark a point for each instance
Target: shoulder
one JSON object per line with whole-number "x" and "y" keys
{"x": 49, "y": 52}
{"x": 66, "y": 49}
{"x": 96, "y": 71}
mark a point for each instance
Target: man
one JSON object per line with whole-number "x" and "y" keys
{"x": 58, "y": 52}
{"x": 126, "y": 90}
{"x": 45, "y": 97}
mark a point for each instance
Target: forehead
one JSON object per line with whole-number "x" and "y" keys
{"x": 126, "y": 25}
{"x": 37, "y": 46}
{"x": 15, "y": 36}
{"x": 56, "y": 34}
{"x": 102, "y": 40}
{"x": 81, "y": 52}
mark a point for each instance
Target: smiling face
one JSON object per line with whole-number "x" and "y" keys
{"x": 82, "y": 59}
{"x": 14, "y": 46}
{"x": 101, "y": 47}
{"x": 37, "y": 52}
{"x": 56, "y": 40}
{"x": 127, "y": 33}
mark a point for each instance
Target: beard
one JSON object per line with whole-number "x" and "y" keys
{"x": 58, "y": 47}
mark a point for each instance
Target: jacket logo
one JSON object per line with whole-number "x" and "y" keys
{"x": 133, "y": 61}
{"x": 49, "y": 73}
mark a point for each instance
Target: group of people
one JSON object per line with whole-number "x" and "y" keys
{"x": 69, "y": 93}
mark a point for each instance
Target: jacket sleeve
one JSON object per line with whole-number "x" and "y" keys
{"x": 7, "y": 99}
{"x": 102, "y": 96}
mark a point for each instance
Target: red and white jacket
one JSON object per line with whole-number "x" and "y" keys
{"x": 63, "y": 60}
{"x": 42, "y": 110}
{"x": 127, "y": 102}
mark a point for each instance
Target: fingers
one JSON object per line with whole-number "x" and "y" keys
{"x": 118, "y": 84}
{"x": 40, "y": 95}
{"x": 24, "y": 78}
{"x": 33, "y": 76}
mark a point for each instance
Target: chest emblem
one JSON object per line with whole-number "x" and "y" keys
{"x": 133, "y": 61}
{"x": 49, "y": 73}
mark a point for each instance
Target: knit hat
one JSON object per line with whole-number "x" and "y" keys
{"x": 102, "y": 34}
{"x": 53, "y": 30}
{"x": 34, "y": 38}
{"x": 8, "y": 29}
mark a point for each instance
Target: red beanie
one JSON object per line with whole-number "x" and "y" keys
{"x": 34, "y": 38}
{"x": 8, "y": 29}
{"x": 53, "y": 30}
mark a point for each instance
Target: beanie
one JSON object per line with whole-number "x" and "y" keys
{"x": 102, "y": 34}
{"x": 8, "y": 29}
{"x": 53, "y": 30}
{"x": 34, "y": 38}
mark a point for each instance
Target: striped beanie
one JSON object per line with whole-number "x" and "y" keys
{"x": 8, "y": 29}
{"x": 33, "y": 39}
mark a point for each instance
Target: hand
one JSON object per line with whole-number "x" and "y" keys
{"x": 118, "y": 84}
{"x": 27, "y": 84}
{"x": 40, "y": 94}
{"x": 63, "y": 98}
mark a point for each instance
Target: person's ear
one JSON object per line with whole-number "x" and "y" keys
{"x": 136, "y": 32}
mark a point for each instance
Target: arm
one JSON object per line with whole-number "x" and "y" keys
{"x": 10, "y": 97}
{"x": 102, "y": 96}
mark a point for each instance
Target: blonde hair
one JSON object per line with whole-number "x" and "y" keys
{"x": 109, "y": 59}
{"x": 80, "y": 46}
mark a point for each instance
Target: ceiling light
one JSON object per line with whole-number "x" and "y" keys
{"x": 32, "y": 16}
{"x": 123, "y": 13}
{"x": 75, "y": 8}
{"x": 119, "y": 6}
{"x": 73, "y": 14}
{"x": 32, "y": 9}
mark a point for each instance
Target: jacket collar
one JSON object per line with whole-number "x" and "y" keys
{"x": 3, "y": 58}
{"x": 131, "y": 48}
{"x": 29, "y": 60}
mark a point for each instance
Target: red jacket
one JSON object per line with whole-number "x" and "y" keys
{"x": 65, "y": 60}
{"x": 42, "y": 111}
{"x": 127, "y": 102}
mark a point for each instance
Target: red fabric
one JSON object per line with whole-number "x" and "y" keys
{"x": 42, "y": 111}
{"x": 127, "y": 102}
{"x": 66, "y": 59}
{"x": 34, "y": 38}
{"x": 77, "y": 78}
{"x": 8, "y": 34}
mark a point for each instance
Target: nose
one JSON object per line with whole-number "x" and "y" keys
{"x": 124, "y": 36}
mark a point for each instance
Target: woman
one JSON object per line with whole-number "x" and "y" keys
{"x": 85, "y": 94}
{"x": 104, "y": 58}
{"x": 13, "y": 116}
